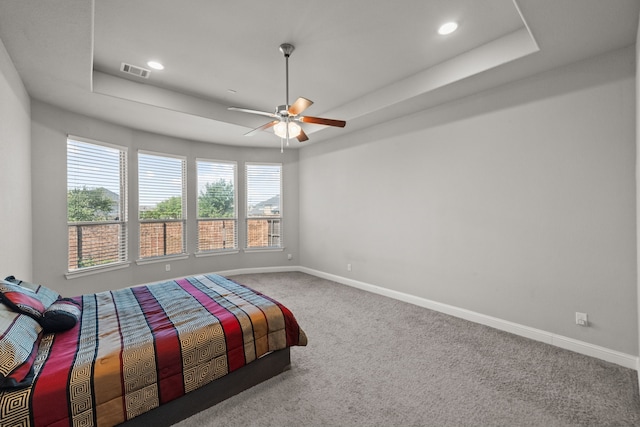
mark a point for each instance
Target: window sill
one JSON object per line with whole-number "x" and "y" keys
{"x": 216, "y": 253}
{"x": 95, "y": 270}
{"x": 161, "y": 259}
{"x": 274, "y": 249}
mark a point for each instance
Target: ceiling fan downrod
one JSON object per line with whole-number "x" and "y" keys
{"x": 286, "y": 49}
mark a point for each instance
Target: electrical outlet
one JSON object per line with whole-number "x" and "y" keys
{"x": 348, "y": 267}
{"x": 167, "y": 267}
{"x": 581, "y": 319}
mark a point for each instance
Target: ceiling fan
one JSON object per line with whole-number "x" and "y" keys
{"x": 285, "y": 116}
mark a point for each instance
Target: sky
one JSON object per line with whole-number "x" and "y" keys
{"x": 159, "y": 178}
{"x": 213, "y": 170}
{"x": 92, "y": 166}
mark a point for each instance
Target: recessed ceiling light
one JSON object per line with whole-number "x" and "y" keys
{"x": 155, "y": 65}
{"x": 447, "y": 28}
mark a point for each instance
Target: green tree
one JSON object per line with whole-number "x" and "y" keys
{"x": 216, "y": 200}
{"x": 170, "y": 208}
{"x": 85, "y": 204}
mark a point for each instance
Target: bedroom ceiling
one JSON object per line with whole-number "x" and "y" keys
{"x": 359, "y": 61}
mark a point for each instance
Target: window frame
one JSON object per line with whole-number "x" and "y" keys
{"x": 183, "y": 254}
{"x": 234, "y": 218}
{"x": 280, "y": 217}
{"x": 121, "y": 220}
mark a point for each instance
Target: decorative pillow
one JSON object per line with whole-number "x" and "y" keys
{"x": 19, "y": 340}
{"x": 61, "y": 316}
{"x": 21, "y": 300}
{"x": 46, "y": 295}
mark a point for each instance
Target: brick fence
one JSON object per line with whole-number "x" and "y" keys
{"x": 98, "y": 244}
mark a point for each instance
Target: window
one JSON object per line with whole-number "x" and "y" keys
{"x": 96, "y": 204}
{"x": 264, "y": 205}
{"x": 217, "y": 220}
{"x": 161, "y": 205}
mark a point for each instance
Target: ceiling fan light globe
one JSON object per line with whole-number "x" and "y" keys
{"x": 280, "y": 129}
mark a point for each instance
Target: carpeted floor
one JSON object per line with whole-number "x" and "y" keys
{"x": 375, "y": 361}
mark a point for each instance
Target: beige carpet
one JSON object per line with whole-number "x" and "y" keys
{"x": 375, "y": 361}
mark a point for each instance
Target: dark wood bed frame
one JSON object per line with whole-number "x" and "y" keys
{"x": 216, "y": 391}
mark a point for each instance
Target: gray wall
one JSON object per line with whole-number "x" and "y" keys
{"x": 517, "y": 203}
{"x": 638, "y": 174}
{"x": 50, "y": 127}
{"x": 15, "y": 166}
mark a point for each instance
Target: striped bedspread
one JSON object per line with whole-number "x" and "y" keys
{"x": 137, "y": 348}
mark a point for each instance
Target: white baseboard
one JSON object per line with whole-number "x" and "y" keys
{"x": 603, "y": 353}
{"x": 256, "y": 270}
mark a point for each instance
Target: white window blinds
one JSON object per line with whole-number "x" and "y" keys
{"x": 96, "y": 204}
{"x": 217, "y": 219}
{"x": 161, "y": 204}
{"x": 264, "y": 205}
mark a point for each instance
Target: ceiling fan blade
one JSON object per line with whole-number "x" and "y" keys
{"x": 299, "y": 106}
{"x": 261, "y": 128}
{"x": 322, "y": 121}
{"x": 245, "y": 110}
{"x": 302, "y": 137}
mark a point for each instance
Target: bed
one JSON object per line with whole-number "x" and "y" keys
{"x": 145, "y": 355}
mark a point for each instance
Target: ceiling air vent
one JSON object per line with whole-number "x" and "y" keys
{"x": 136, "y": 71}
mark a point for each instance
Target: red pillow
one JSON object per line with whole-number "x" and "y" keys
{"x": 21, "y": 300}
{"x": 46, "y": 295}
